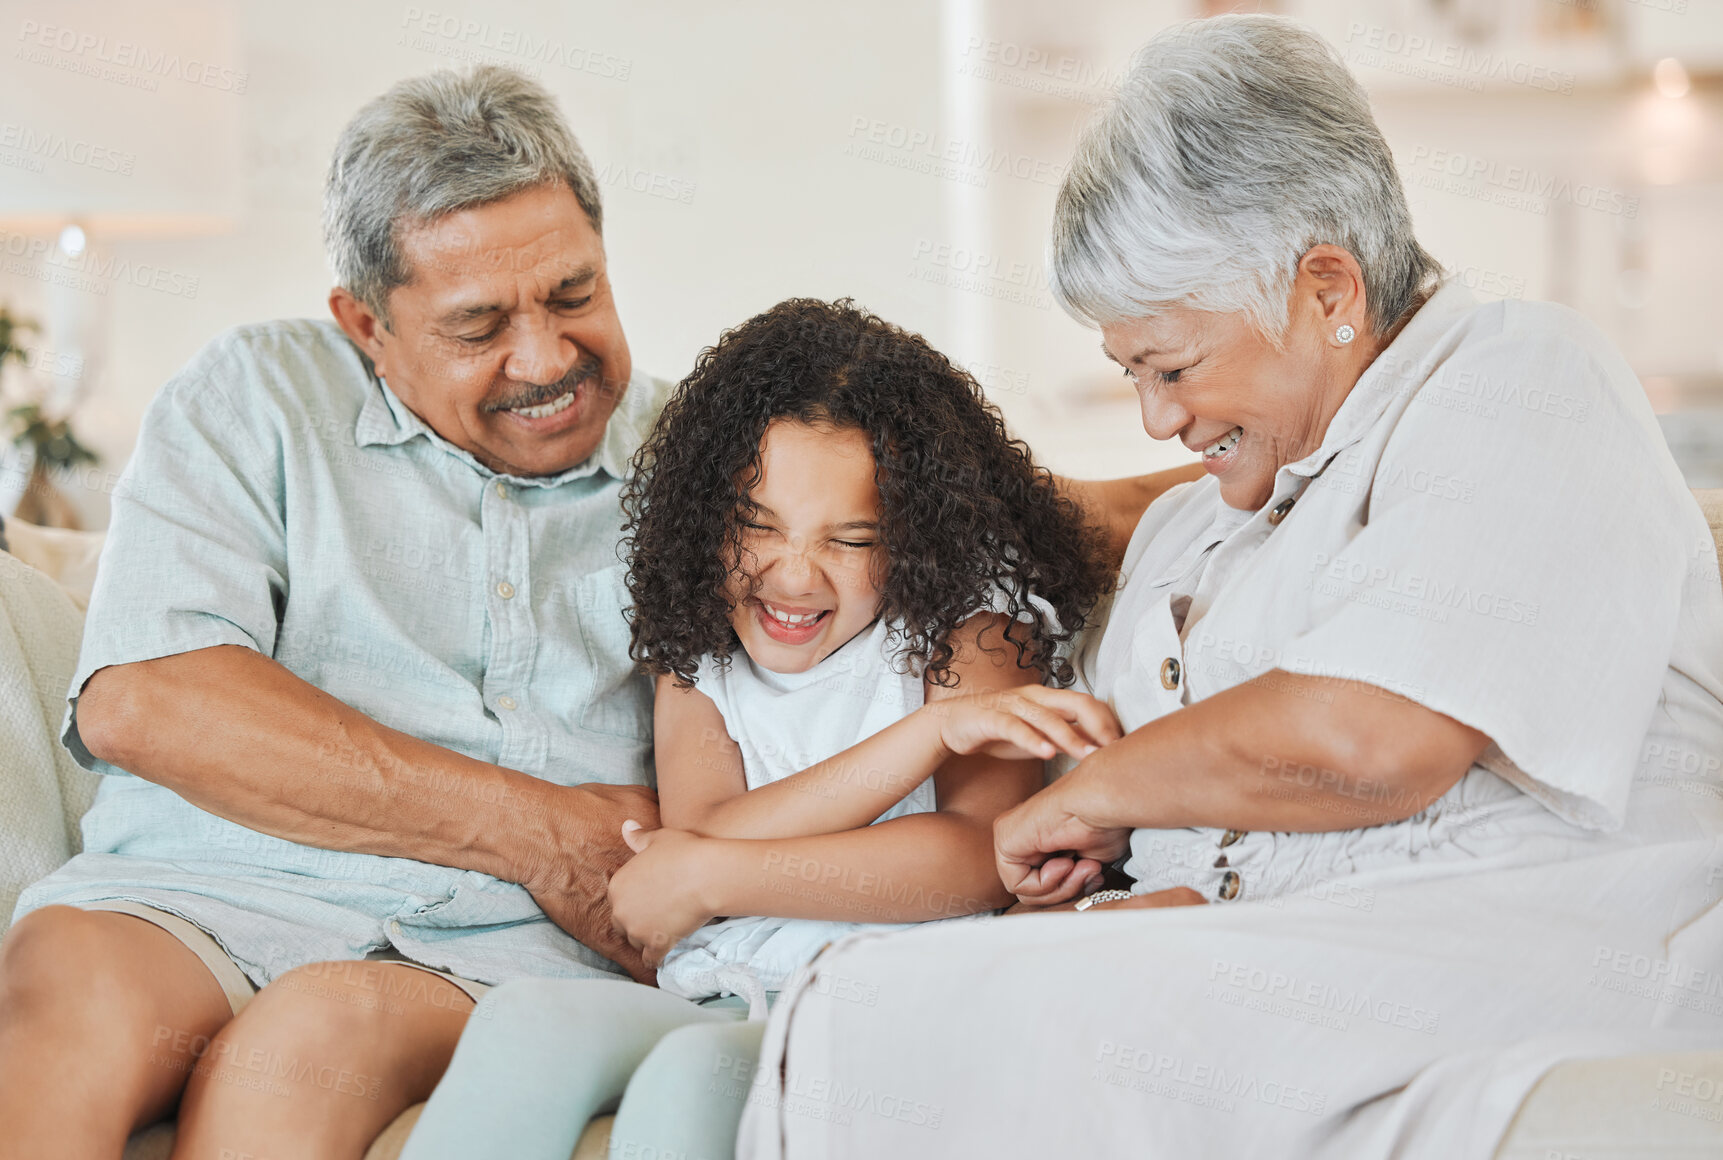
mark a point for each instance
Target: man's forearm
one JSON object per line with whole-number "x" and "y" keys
{"x": 240, "y": 736}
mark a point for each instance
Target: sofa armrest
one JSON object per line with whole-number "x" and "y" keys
{"x": 1624, "y": 1108}
{"x": 68, "y": 558}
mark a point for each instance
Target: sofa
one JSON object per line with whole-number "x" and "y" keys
{"x": 1602, "y": 1109}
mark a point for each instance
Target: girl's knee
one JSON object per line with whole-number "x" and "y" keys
{"x": 702, "y": 1054}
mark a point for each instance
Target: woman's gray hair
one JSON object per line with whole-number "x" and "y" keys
{"x": 1234, "y": 145}
{"x": 435, "y": 145}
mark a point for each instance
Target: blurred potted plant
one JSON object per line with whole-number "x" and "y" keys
{"x": 45, "y": 440}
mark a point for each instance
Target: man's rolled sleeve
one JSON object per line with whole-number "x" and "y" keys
{"x": 195, "y": 555}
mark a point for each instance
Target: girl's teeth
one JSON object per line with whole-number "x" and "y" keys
{"x": 792, "y": 619}
{"x": 546, "y": 410}
{"x": 1224, "y": 444}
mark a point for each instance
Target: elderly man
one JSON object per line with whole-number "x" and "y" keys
{"x": 358, "y": 668}
{"x": 358, "y": 665}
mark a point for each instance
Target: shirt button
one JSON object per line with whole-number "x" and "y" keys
{"x": 1279, "y": 511}
{"x": 1229, "y": 884}
{"x": 1170, "y": 673}
{"x": 508, "y": 702}
{"x": 1230, "y": 837}
{"x": 394, "y": 927}
{"x": 505, "y": 590}
{"x": 502, "y": 490}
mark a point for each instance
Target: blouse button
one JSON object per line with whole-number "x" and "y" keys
{"x": 505, "y": 590}
{"x": 1229, "y": 886}
{"x": 1170, "y": 673}
{"x": 1279, "y": 511}
{"x": 1230, "y": 837}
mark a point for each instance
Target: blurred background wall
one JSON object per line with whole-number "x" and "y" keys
{"x": 902, "y": 152}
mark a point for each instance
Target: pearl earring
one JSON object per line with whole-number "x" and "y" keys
{"x": 1345, "y": 334}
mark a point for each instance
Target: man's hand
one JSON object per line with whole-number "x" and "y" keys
{"x": 571, "y": 883}
{"x": 655, "y": 900}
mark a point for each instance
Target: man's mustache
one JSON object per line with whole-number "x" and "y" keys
{"x": 536, "y": 394}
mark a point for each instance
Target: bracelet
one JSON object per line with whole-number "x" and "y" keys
{"x": 1087, "y": 901}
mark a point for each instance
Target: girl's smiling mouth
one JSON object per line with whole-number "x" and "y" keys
{"x": 788, "y": 624}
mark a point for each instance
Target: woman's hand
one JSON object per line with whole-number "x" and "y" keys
{"x": 655, "y": 899}
{"x": 1025, "y": 722}
{"x": 1050, "y": 849}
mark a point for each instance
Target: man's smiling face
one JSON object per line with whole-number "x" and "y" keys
{"x": 505, "y": 338}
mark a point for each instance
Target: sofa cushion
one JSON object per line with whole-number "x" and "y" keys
{"x": 1711, "y": 503}
{"x": 1625, "y": 1108}
{"x": 68, "y": 558}
{"x": 43, "y": 792}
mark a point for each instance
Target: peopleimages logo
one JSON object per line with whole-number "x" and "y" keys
{"x": 96, "y": 49}
{"x": 1323, "y": 996}
{"x": 872, "y": 139}
{"x": 1445, "y": 62}
{"x": 91, "y": 272}
{"x": 1534, "y": 187}
{"x": 471, "y": 36}
{"x": 72, "y": 150}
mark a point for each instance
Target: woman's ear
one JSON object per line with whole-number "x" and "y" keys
{"x": 1330, "y": 282}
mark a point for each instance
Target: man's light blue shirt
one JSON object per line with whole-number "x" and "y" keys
{"x": 283, "y": 499}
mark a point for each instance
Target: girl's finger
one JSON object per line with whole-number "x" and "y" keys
{"x": 1071, "y": 885}
{"x": 1053, "y": 729}
{"x": 1011, "y": 728}
{"x": 1061, "y": 733}
{"x": 1049, "y": 885}
{"x": 1091, "y": 872}
{"x": 1051, "y": 721}
{"x": 1093, "y": 716}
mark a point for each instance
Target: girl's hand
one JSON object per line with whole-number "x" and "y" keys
{"x": 1023, "y": 723}
{"x": 655, "y": 899}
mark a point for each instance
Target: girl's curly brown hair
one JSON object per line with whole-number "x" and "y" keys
{"x": 964, "y": 509}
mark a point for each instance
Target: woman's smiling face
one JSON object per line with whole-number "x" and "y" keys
{"x": 1246, "y": 405}
{"x": 808, "y": 578}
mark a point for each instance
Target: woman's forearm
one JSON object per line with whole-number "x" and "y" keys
{"x": 843, "y": 792}
{"x": 909, "y": 869}
{"x": 1283, "y": 752}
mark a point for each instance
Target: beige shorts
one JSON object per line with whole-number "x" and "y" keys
{"x": 234, "y": 983}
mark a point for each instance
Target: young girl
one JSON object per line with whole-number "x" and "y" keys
{"x": 852, "y": 585}
{"x": 833, "y": 496}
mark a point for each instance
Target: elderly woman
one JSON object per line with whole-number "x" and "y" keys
{"x": 1419, "y": 692}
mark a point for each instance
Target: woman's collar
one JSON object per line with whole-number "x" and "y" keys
{"x": 1399, "y": 370}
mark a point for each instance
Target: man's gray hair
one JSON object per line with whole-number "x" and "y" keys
{"x": 1235, "y": 144}
{"x": 435, "y": 145}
